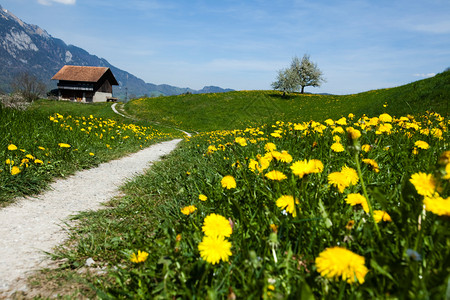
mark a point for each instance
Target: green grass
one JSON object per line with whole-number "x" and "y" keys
{"x": 50, "y": 107}
{"x": 281, "y": 264}
{"x": 95, "y": 134}
{"x": 239, "y": 109}
{"x": 277, "y": 264}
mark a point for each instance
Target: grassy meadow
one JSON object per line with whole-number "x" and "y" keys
{"x": 233, "y": 110}
{"x": 344, "y": 206}
{"x": 304, "y": 197}
{"x": 54, "y": 139}
{"x": 286, "y": 210}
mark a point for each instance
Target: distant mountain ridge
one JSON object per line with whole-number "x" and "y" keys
{"x": 29, "y": 48}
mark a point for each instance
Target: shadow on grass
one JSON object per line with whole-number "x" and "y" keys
{"x": 283, "y": 97}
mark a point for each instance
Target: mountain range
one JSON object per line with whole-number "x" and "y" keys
{"x": 29, "y": 48}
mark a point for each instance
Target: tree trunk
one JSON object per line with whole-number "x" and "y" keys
{"x": 303, "y": 89}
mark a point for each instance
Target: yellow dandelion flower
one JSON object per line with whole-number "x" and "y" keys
{"x": 422, "y": 145}
{"x": 216, "y": 225}
{"x": 274, "y": 228}
{"x": 270, "y": 147}
{"x": 252, "y": 164}
{"x": 287, "y": 203}
{"x": 141, "y": 256}
{"x": 276, "y": 175}
{"x": 437, "y": 205}
{"x": 178, "y": 237}
{"x": 187, "y": 210}
{"x": 337, "y": 262}
{"x": 357, "y": 199}
{"x": 276, "y": 135}
{"x": 213, "y": 249}
{"x": 385, "y": 118}
{"x": 15, "y": 170}
{"x": 366, "y": 148}
{"x": 38, "y": 161}
{"x": 353, "y": 133}
{"x": 285, "y": 157}
{"x": 228, "y": 182}
{"x": 12, "y": 147}
{"x": 336, "y": 138}
{"x": 338, "y": 180}
{"x": 329, "y": 122}
{"x": 301, "y": 168}
{"x": 381, "y": 215}
{"x": 337, "y": 147}
{"x": 241, "y": 141}
{"x": 338, "y": 129}
{"x": 425, "y": 184}
{"x": 202, "y": 197}
{"x": 346, "y": 177}
{"x": 350, "y": 224}
{"x": 342, "y": 121}
{"x": 264, "y": 163}
{"x": 384, "y": 128}
{"x": 64, "y": 145}
{"x": 9, "y": 161}
{"x": 25, "y": 161}
{"x": 41, "y": 148}
{"x": 273, "y": 155}
{"x": 315, "y": 165}
{"x": 437, "y": 133}
{"x": 447, "y": 171}
{"x": 211, "y": 149}
{"x": 300, "y": 127}
{"x": 425, "y": 131}
{"x": 350, "y": 175}
{"x": 236, "y": 165}
{"x": 372, "y": 163}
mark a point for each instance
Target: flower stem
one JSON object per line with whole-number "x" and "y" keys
{"x": 358, "y": 167}
{"x": 341, "y": 290}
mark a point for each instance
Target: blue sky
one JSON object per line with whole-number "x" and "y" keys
{"x": 358, "y": 44}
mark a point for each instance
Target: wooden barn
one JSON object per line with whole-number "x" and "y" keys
{"x": 85, "y": 84}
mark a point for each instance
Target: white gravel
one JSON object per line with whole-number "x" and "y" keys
{"x": 32, "y": 226}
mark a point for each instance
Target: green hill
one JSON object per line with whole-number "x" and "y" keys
{"x": 240, "y": 108}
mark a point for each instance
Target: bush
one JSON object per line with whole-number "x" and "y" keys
{"x": 14, "y": 101}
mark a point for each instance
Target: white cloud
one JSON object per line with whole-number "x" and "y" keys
{"x": 50, "y": 2}
{"x": 424, "y": 75}
{"x": 442, "y": 27}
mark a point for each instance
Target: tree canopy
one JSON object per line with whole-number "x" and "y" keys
{"x": 299, "y": 75}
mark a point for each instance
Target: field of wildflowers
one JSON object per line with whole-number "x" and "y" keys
{"x": 357, "y": 207}
{"x": 240, "y": 109}
{"x": 36, "y": 147}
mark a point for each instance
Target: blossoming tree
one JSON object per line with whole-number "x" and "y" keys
{"x": 301, "y": 74}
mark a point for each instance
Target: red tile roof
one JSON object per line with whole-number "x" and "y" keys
{"x": 81, "y": 73}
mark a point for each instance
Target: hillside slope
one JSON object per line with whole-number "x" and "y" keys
{"x": 238, "y": 109}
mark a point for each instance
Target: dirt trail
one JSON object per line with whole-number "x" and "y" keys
{"x": 33, "y": 226}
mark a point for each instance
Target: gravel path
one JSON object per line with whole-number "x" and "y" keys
{"x": 113, "y": 107}
{"x": 33, "y": 226}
